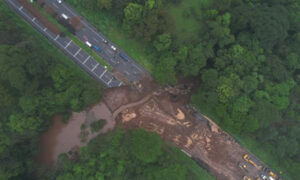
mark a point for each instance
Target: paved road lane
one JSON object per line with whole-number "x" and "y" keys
{"x": 131, "y": 69}
{"x": 78, "y": 55}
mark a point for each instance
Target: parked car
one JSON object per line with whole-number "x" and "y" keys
{"x": 124, "y": 57}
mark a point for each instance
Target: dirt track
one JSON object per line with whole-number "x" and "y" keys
{"x": 156, "y": 110}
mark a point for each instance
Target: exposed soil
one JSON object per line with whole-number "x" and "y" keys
{"x": 159, "y": 110}
{"x": 162, "y": 110}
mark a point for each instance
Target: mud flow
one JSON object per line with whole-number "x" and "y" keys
{"x": 165, "y": 111}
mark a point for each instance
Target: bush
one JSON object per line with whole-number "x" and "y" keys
{"x": 97, "y": 125}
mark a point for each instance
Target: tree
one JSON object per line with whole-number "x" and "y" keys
{"x": 250, "y": 125}
{"x": 195, "y": 61}
{"x": 242, "y": 104}
{"x": 292, "y": 62}
{"x": 146, "y": 147}
{"x": 104, "y": 4}
{"x": 249, "y": 84}
{"x": 97, "y": 125}
{"x": 162, "y": 42}
{"x": 61, "y": 77}
{"x": 5, "y": 97}
{"x": 29, "y": 104}
{"x": 270, "y": 24}
{"x": 210, "y": 79}
{"x": 266, "y": 113}
{"x": 173, "y": 172}
{"x": 133, "y": 13}
{"x": 156, "y": 22}
{"x": 22, "y": 124}
{"x": 164, "y": 73}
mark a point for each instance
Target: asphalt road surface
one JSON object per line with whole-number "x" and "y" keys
{"x": 78, "y": 55}
{"x": 130, "y": 69}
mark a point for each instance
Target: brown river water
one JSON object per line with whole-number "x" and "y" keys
{"x": 61, "y": 138}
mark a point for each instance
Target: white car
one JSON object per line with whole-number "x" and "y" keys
{"x": 264, "y": 177}
{"x": 59, "y": 1}
{"x": 64, "y": 16}
{"x": 88, "y": 44}
{"x": 113, "y": 48}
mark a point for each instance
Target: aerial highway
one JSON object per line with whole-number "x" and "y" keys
{"x": 109, "y": 51}
{"x": 128, "y": 68}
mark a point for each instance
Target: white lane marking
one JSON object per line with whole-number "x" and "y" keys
{"x": 26, "y": 14}
{"x": 137, "y": 67}
{"x": 95, "y": 67}
{"x": 38, "y": 25}
{"x": 45, "y": 29}
{"x": 103, "y": 73}
{"x": 69, "y": 10}
{"x": 68, "y": 44}
{"x": 77, "y": 52}
{"x": 66, "y": 49}
{"x": 86, "y": 60}
{"x": 55, "y": 5}
{"x": 110, "y": 81}
{"x": 21, "y": 8}
{"x": 126, "y": 72}
{"x": 96, "y": 40}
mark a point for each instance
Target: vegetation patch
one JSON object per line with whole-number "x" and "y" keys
{"x": 97, "y": 125}
{"x": 36, "y": 82}
{"x": 128, "y": 155}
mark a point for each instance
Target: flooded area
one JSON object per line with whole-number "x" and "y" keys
{"x": 61, "y": 138}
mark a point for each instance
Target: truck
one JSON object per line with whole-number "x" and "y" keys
{"x": 247, "y": 158}
{"x": 123, "y": 56}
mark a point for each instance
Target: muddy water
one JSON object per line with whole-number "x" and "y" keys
{"x": 61, "y": 138}
{"x": 49, "y": 140}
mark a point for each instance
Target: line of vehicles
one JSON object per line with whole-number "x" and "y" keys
{"x": 96, "y": 47}
{"x": 265, "y": 173}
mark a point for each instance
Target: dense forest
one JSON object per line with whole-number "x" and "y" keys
{"x": 36, "y": 82}
{"x": 244, "y": 54}
{"x": 132, "y": 155}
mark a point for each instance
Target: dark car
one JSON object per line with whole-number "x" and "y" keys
{"x": 97, "y": 48}
{"x": 124, "y": 57}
